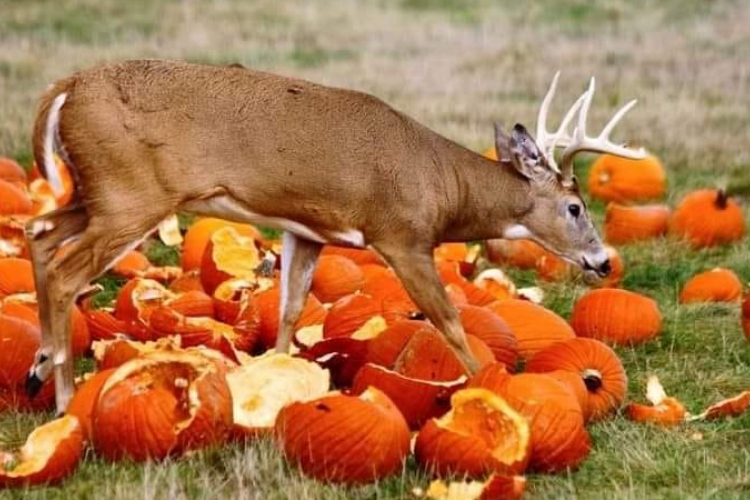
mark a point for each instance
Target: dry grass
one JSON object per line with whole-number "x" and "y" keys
{"x": 457, "y": 66}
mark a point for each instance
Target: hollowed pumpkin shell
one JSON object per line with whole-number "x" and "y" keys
{"x": 481, "y": 433}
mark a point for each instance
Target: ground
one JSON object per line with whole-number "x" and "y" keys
{"x": 457, "y": 66}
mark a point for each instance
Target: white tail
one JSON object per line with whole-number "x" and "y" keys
{"x": 53, "y": 119}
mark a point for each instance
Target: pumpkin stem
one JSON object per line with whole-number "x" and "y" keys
{"x": 592, "y": 378}
{"x": 721, "y": 199}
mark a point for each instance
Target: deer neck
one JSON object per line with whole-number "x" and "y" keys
{"x": 491, "y": 197}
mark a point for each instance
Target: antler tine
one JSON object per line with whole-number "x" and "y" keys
{"x": 546, "y": 140}
{"x": 601, "y": 143}
{"x": 541, "y": 121}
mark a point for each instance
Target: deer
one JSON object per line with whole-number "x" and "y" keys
{"x": 145, "y": 139}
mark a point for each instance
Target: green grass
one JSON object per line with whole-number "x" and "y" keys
{"x": 458, "y": 66}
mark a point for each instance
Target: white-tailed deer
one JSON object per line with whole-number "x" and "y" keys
{"x": 145, "y": 139}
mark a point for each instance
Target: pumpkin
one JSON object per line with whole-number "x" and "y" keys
{"x": 523, "y": 254}
{"x": 616, "y": 316}
{"x": 199, "y": 234}
{"x": 20, "y": 340}
{"x": 13, "y": 200}
{"x": 627, "y": 224}
{"x": 162, "y": 404}
{"x": 481, "y": 433}
{"x": 11, "y": 171}
{"x": 534, "y": 326}
{"x": 732, "y": 407}
{"x": 228, "y": 255}
{"x": 349, "y": 314}
{"x": 267, "y": 303}
{"x": 558, "y": 437}
{"x": 550, "y": 267}
{"x": 614, "y": 178}
{"x": 594, "y": 363}
{"x": 617, "y": 269}
{"x": 449, "y": 273}
{"x": 487, "y": 326}
{"x": 334, "y": 277}
{"x": 343, "y": 357}
{"x": 417, "y": 399}
{"x": 85, "y": 398}
{"x": 716, "y": 285}
{"x": 345, "y": 439}
{"x": 263, "y": 386}
{"x": 16, "y": 276}
{"x": 497, "y": 283}
{"x": 51, "y": 453}
{"x": 664, "y": 410}
{"x": 383, "y": 285}
{"x": 708, "y": 218}
{"x": 746, "y": 317}
{"x": 384, "y": 349}
{"x": 103, "y": 325}
{"x": 131, "y": 265}
{"x": 116, "y": 352}
{"x": 234, "y": 295}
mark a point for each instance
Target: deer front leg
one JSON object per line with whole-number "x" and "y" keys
{"x": 298, "y": 258}
{"x": 416, "y": 269}
{"x": 44, "y": 235}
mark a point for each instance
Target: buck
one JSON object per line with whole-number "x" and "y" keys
{"x": 145, "y": 139}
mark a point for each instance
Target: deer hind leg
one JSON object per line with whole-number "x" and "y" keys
{"x": 45, "y": 234}
{"x": 105, "y": 239}
{"x": 298, "y": 260}
{"x": 416, "y": 269}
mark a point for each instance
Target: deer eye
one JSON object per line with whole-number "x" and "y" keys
{"x": 574, "y": 210}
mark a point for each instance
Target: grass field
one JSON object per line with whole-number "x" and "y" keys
{"x": 457, "y": 66}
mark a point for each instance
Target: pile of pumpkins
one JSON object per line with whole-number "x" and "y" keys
{"x": 185, "y": 356}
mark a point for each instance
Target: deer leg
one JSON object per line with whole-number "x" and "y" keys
{"x": 45, "y": 234}
{"x": 104, "y": 240}
{"x": 298, "y": 258}
{"x": 416, "y": 269}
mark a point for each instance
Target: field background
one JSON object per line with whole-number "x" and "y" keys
{"x": 457, "y": 66}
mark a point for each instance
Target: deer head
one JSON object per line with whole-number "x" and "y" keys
{"x": 558, "y": 218}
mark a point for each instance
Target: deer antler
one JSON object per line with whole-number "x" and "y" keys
{"x": 561, "y": 138}
{"x": 579, "y": 141}
{"x": 599, "y": 144}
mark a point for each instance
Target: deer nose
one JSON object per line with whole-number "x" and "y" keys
{"x": 604, "y": 268}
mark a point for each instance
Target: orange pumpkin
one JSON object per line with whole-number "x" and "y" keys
{"x": 616, "y": 316}
{"x": 51, "y": 453}
{"x": 131, "y": 264}
{"x": 732, "y": 407}
{"x": 617, "y": 269}
{"x": 20, "y": 340}
{"x": 349, "y": 314}
{"x": 161, "y": 404}
{"x": 384, "y": 349}
{"x": 267, "y": 303}
{"x": 626, "y": 224}
{"x": 523, "y": 254}
{"x": 498, "y": 486}
{"x": 84, "y": 400}
{"x": 487, "y": 326}
{"x": 664, "y": 410}
{"x": 13, "y": 200}
{"x": 716, "y": 285}
{"x": 103, "y": 325}
{"x": 614, "y": 178}
{"x": 708, "y": 218}
{"x": 229, "y": 255}
{"x": 16, "y": 276}
{"x": 345, "y": 439}
{"x": 334, "y": 277}
{"x": 417, "y": 399}
{"x": 481, "y": 433}
{"x": 63, "y": 173}
{"x": 558, "y": 437}
{"x": 746, "y": 317}
{"x": 11, "y": 171}
{"x": 534, "y": 326}
{"x": 595, "y": 363}
{"x": 198, "y": 235}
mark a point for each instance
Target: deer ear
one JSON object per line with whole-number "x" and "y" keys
{"x": 502, "y": 144}
{"x": 526, "y": 156}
